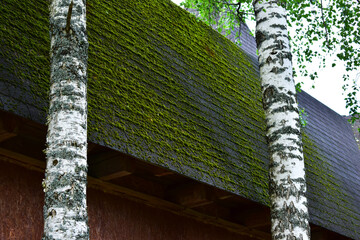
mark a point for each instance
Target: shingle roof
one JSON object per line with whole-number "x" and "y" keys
{"x": 332, "y": 168}
{"x": 167, "y": 89}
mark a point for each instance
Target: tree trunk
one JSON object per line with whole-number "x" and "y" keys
{"x": 65, "y": 211}
{"x": 289, "y": 213}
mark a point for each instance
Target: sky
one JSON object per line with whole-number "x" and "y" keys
{"x": 327, "y": 88}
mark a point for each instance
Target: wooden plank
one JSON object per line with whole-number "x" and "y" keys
{"x": 6, "y": 135}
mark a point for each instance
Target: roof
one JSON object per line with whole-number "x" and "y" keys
{"x": 332, "y": 168}
{"x": 169, "y": 90}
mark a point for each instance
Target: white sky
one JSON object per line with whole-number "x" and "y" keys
{"x": 328, "y": 87}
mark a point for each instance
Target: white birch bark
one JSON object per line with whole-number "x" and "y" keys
{"x": 289, "y": 213}
{"x": 65, "y": 210}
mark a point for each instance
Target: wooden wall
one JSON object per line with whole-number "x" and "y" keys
{"x": 110, "y": 217}
{"x": 21, "y": 201}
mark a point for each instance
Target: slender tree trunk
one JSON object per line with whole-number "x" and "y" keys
{"x": 289, "y": 213}
{"x": 65, "y": 211}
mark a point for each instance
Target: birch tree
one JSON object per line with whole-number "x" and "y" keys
{"x": 287, "y": 186}
{"x": 289, "y": 213}
{"x": 65, "y": 210}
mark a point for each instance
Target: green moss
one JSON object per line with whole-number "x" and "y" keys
{"x": 25, "y": 44}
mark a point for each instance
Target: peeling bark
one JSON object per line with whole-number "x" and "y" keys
{"x": 289, "y": 212}
{"x": 65, "y": 210}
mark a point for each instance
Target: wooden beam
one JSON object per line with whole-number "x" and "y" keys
{"x": 6, "y": 135}
{"x": 138, "y": 183}
{"x": 115, "y": 175}
{"x": 162, "y": 173}
{"x": 222, "y": 194}
{"x": 108, "y": 166}
{"x": 191, "y": 195}
{"x": 8, "y": 127}
{"x": 22, "y": 160}
{"x": 104, "y": 154}
{"x": 216, "y": 209}
{"x": 254, "y": 217}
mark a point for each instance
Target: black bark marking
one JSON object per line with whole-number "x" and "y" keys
{"x": 285, "y": 151}
{"x": 55, "y": 162}
{"x": 268, "y": 96}
{"x": 277, "y": 15}
{"x": 286, "y": 108}
{"x": 276, "y": 56}
{"x": 264, "y": 19}
{"x": 257, "y": 11}
{"x": 279, "y": 44}
{"x": 272, "y": 95}
{"x": 278, "y": 70}
{"x": 281, "y": 26}
{"x": 260, "y": 38}
{"x": 68, "y": 19}
{"x": 269, "y": 60}
{"x": 285, "y": 130}
{"x": 275, "y": 37}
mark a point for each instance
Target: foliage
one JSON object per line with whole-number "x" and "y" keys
{"x": 328, "y": 27}
{"x": 322, "y": 28}
{"x": 225, "y": 14}
{"x": 302, "y": 116}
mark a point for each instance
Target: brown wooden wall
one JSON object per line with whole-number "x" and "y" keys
{"x": 21, "y": 200}
{"x": 110, "y": 217}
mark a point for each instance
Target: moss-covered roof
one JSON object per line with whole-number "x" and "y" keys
{"x": 178, "y": 95}
{"x": 332, "y": 168}
{"x": 167, "y": 89}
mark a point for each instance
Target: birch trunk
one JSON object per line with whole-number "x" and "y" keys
{"x": 289, "y": 213}
{"x": 65, "y": 210}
